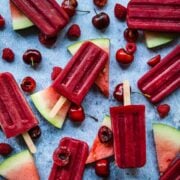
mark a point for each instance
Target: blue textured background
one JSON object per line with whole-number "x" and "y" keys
{"x": 95, "y": 104}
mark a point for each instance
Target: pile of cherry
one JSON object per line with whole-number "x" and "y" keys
{"x": 124, "y": 56}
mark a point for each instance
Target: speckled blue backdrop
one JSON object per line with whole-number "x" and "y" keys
{"x": 94, "y": 104}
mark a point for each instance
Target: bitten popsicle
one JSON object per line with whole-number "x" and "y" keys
{"x": 128, "y": 124}
{"x": 173, "y": 172}
{"x": 154, "y": 15}
{"x": 80, "y": 73}
{"x": 162, "y": 79}
{"x": 69, "y": 160}
{"x": 47, "y": 15}
{"x": 16, "y": 117}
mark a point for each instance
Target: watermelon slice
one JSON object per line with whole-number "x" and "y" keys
{"x": 19, "y": 20}
{"x": 155, "y": 39}
{"x": 167, "y": 142}
{"x": 19, "y": 167}
{"x": 44, "y": 102}
{"x": 103, "y": 79}
{"x": 100, "y": 150}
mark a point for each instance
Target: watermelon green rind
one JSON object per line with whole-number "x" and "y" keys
{"x": 167, "y": 141}
{"x": 155, "y": 39}
{"x": 12, "y": 168}
{"x": 44, "y": 101}
{"x": 99, "y": 150}
{"x": 104, "y": 43}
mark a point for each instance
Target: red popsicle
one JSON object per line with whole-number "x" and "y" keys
{"x": 69, "y": 160}
{"x": 154, "y": 15}
{"x": 128, "y": 124}
{"x": 16, "y": 116}
{"x": 162, "y": 79}
{"x": 47, "y": 15}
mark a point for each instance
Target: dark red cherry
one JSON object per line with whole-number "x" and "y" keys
{"x": 101, "y": 20}
{"x": 35, "y": 132}
{"x": 32, "y": 57}
{"x": 70, "y": 7}
{"x": 76, "y": 113}
{"x": 118, "y": 92}
{"x": 131, "y": 35}
{"x": 105, "y": 135}
{"x": 123, "y": 57}
{"x": 100, "y": 3}
{"x": 46, "y": 40}
{"x": 28, "y": 84}
{"x": 102, "y": 168}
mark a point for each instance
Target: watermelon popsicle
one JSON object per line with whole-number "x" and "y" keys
{"x": 128, "y": 125}
{"x": 75, "y": 80}
{"x": 69, "y": 160}
{"x": 154, "y": 15}
{"x": 162, "y": 79}
{"x": 47, "y": 15}
{"x": 16, "y": 117}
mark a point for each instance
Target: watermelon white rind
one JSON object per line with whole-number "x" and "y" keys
{"x": 102, "y": 80}
{"x": 19, "y": 167}
{"x": 44, "y": 102}
{"x": 19, "y": 20}
{"x": 155, "y": 39}
{"x": 167, "y": 142}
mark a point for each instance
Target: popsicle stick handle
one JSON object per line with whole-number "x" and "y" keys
{"x": 29, "y": 142}
{"x": 126, "y": 93}
{"x": 57, "y": 106}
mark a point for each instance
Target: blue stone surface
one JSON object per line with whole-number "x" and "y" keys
{"x": 94, "y": 104}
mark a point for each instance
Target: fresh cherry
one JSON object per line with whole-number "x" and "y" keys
{"x": 76, "y": 113}
{"x": 131, "y": 48}
{"x": 35, "y": 132}
{"x": 163, "y": 110}
{"x": 100, "y": 3}
{"x": 102, "y": 168}
{"x": 32, "y": 57}
{"x": 153, "y": 61}
{"x": 120, "y": 12}
{"x": 46, "y": 40}
{"x": 74, "y": 31}
{"x": 61, "y": 156}
{"x": 101, "y": 20}
{"x": 56, "y": 71}
{"x": 70, "y": 7}
{"x": 5, "y": 149}
{"x": 123, "y": 57}
{"x": 105, "y": 135}
{"x": 2, "y": 21}
{"x": 131, "y": 35}
{"x": 28, "y": 84}
{"x": 8, "y": 55}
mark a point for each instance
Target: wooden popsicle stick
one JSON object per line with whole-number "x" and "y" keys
{"x": 126, "y": 93}
{"x": 57, "y": 106}
{"x": 29, "y": 142}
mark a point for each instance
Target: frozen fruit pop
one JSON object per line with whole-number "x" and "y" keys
{"x": 79, "y": 74}
{"x": 162, "y": 79}
{"x": 69, "y": 160}
{"x": 47, "y": 15}
{"x": 154, "y": 15}
{"x": 128, "y": 124}
{"x": 16, "y": 117}
{"x": 173, "y": 172}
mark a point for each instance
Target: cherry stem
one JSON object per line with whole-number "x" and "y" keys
{"x": 92, "y": 117}
{"x": 95, "y": 11}
{"x": 87, "y": 12}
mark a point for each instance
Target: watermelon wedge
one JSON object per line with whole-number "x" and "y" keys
{"x": 44, "y": 102}
{"x": 103, "y": 79}
{"x": 19, "y": 20}
{"x": 19, "y": 167}
{"x": 167, "y": 142}
{"x": 155, "y": 39}
{"x": 99, "y": 150}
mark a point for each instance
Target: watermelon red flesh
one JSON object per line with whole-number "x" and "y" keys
{"x": 100, "y": 150}
{"x": 102, "y": 81}
{"x": 19, "y": 20}
{"x": 167, "y": 142}
{"x": 45, "y": 101}
{"x": 19, "y": 167}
